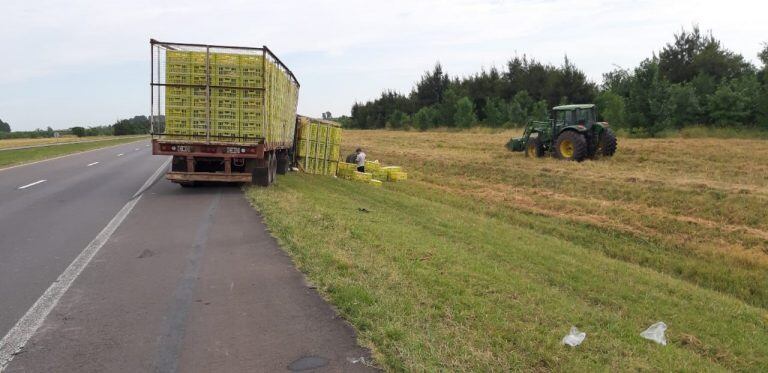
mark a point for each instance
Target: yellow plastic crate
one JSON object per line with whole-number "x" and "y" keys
{"x": 398, "y": 176}
{"x": 380, "y": 175}
{"x": 227, "y": 70}
{"x": 224, "y": 59}
{"x": 199, "y": 102}
{"x": 376, "y": 183}
{"x": 196, "y": 124}
{"x": 177, "y": 124}
{"x": 347, "y": 166}
{"x": 198, "y": 92}
{"x": 224, "y": 103}
{"x": 178, "y": 79}
{"x": 178, "y": 101}
{"x": 225, "y": 81}
{"x": 225, "y": 92}
{"x": 226, "y": 114}
{"x": 177, "y": 91}
{"x": 198, "y": 58}
{"x": 198, "y": 79}
{"x": 178, "y": 112}
{"x": 372, "y": 167}
{"x": 363, "y": 176}
{"x": 176, "y": 57}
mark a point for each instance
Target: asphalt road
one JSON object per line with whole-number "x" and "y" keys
{"x": 105, "y": 266}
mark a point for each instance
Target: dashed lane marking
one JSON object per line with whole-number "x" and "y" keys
{"x": 32, "y": 184}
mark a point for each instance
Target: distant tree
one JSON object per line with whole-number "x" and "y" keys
{"x": 683, "y": 105}
{"x": 4, "y": 127}
{"x": 693, "y": 53}
{"x": 496, "y": 112}
{"x": 425, "y": 118}
{"x": 761, "y": 109}
{"x": 447, "y": 108}
{"x": 649, "y": 94}
{"x": 397, "y": 119}
{"x": 516, "y": 114}
{"x": 134, "y": 126}
{"x": 78, "y": 131}
{"x": 572, "y": 84}
{"x": 733, "y": 103}
{"x": 540, "y": 110}
{"x": 465, "y": 113}
{"x": 610, "y": 108}
{"x": 617, "y": 81}
{"x": 525, "y": 101}
{"x": 430, "y": 89}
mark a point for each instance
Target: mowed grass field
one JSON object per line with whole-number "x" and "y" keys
{"x": 11, "y": 157}
{"x": 484, "y": 259}
{"x": 18, "y": 143}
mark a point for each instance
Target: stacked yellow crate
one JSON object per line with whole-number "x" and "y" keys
{"x": 245, "y": 100}
{"x": 317, "y": 147}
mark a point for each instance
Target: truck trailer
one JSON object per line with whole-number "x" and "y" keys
{"x": 224, "y": 113}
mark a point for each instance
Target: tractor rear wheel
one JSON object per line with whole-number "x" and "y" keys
{"x": 534, "y": 148}
{"x": 571, "y": 146}
{"x": 607, "y": 145}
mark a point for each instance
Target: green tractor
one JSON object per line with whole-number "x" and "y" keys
{"x": 572, "y": 133}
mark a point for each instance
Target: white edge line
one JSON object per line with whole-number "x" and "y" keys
{"x": 66, "y": 155}
{"x": 31, "y": 184}
{"x": 92, "y": 164}
{"x": 27, "y": 326}
{"x": 152, "y": 178}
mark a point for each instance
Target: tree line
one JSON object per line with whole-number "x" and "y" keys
{"x": 692, "y": 80}
{"x": 137, "y": 125}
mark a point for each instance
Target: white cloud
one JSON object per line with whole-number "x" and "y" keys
{"x": 348, "y": 50}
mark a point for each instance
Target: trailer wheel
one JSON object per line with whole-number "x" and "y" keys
{"x": 262, "y": 173}
{"x": 179, "y": 164}
{"x": 272, "y": 167}
{"x": 260, "y": 176}
{"x": 282, "y": 164}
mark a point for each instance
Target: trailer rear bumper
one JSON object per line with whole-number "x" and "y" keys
{"x": 205, "y": 176}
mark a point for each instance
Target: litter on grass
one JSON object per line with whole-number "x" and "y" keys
{"x": 656, "y": 333}
{"x": 574, "y": 338}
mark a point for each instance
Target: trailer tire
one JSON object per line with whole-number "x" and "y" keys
{"x": 260, "y": 176}
{"x": 178, "y": 164}
{"x": 282, "y": 164}
{"x": 273, "y": 167}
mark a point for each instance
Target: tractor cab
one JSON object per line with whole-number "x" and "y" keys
{"x": 575, "y": 115}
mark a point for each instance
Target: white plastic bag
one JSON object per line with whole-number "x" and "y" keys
{"x": 574, "y": 338}
{"x": 656, "y": 333}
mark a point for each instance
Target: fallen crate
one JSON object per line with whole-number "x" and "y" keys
{"x": 375, "y": 173}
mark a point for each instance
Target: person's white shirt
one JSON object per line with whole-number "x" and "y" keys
{"x": 360, "y": 159}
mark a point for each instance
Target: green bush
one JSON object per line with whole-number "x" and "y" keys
{"x": 465, "y": 113}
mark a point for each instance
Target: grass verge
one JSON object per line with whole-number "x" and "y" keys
{"x": 21, "y": 156}
{"x": 437, "y": 278}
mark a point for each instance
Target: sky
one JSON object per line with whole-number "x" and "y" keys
{"x": 86, "y": 62}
